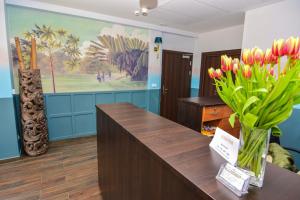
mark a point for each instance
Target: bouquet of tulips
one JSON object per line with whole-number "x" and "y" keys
{"x": 259, "y": 97}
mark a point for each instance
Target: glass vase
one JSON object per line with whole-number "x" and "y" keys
{"x": 254, "y": 146}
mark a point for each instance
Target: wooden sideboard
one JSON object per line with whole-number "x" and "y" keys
{"x": 197, "y": 112}
{"x": 143, "y": 156}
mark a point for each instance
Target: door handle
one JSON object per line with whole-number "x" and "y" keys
{"x": 165, "y": 90}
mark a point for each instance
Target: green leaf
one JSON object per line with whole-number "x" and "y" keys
{"x": 262, "y": 90}
{"x": 276, "y": 131}
{"x": 285, "y": 113}
{"x": 249, "y": 102}
{"x": 250, "y": 120}
{"x": 232, "y": 119}
{"x": 237, "y": 89}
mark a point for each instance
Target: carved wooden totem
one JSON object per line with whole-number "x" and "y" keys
{"x": 34, "y": 123}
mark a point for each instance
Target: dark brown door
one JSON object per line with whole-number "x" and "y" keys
{"x": 176, "y": 81}
{"x": 212, "y": 59}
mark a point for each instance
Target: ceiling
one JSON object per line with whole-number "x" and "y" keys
{"x": 189, "y": 15}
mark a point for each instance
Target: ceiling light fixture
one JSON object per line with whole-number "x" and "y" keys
{"x": 143, "y": 11}
{"x": 137, "y": 13}
{"x": 145, "y": 6}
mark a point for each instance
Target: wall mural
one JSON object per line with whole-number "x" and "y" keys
{"x": 80, "y": 54}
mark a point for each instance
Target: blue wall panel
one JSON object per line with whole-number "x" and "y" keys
{"x": 139, "y": 99}
{"x": 84, "y": 124}
{"x": 9, "y": 146}
{"x": 58, "y": 104}
{"x": 60, "y": 127}
{"x": 74, "y": 114}
{"x": 194, "y": 92}
{"x": 105, "y": 98}
{"x": 123, "y": 97}
{"x": 83, "y": 102}
{"x": 153, "y": 101}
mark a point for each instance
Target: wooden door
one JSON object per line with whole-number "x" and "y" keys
{"x": 212, "y": 59}
{"x": 176, "y": 81}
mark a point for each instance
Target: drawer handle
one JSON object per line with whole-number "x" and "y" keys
{"x": 214, "y": 113}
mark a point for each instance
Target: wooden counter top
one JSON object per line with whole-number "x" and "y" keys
{"x": 139, "y": 152}
{"x": 203, "y": 101}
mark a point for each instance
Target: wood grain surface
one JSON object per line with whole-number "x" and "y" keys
{"x": 143, "y": 156}
{"x": 67, "y": 171}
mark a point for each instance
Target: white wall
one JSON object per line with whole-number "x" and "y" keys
{"x": 263, "y": 25}
{"x": 178, "y": 43}
{"x": 223, "y": 39}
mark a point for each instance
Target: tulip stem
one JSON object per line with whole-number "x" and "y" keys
{"x": 279, "y": 61}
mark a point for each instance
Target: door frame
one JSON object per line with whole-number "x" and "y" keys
{"x": 203, "y": 72}
{"x": 163, "y": 74}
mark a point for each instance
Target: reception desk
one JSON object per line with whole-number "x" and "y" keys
{"x": 143, "y": 156}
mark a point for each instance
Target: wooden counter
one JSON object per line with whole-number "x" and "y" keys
{"x": 143, "y": 156}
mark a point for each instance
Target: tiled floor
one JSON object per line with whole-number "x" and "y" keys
{"x": 67, "y": 171}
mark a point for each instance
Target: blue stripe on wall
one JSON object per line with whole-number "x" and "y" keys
{"x": 194, "y": 92}
{"x": 291, "y": 134}
{"x": 9, "y": 147}
{"x": 73, "y": 114}
{"x": 5, "y": 86}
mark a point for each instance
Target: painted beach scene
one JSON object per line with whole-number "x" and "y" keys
{"x": 77, "y": 54}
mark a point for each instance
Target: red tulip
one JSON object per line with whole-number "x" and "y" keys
{"x": 271, "y": 71}
{"x": 226, "y": 63}
{"x": 247, "y": 57}
{"x": 291, "y": 46}
{"x": 236, "y": 65}
{"x": 278, "y": 47}
{"x": 269, "y": 58}
{"x": 258, "y": 55}
{"x": 218, "y": 73}
{"x": 211, "y": 72}
{"x": 296, "y": 56}
{"x": 247, "y": 71}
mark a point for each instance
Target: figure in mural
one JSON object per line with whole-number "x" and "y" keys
{"x": 95, "y": 56}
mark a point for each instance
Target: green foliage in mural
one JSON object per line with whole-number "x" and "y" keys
{"x": 129, "y": 54}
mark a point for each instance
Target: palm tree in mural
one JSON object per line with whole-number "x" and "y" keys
{"x": 72, "y": 50}
{"x": 49, "y": 41}
{"x": 61, "y": 32}
{"x": 129, "y": 54}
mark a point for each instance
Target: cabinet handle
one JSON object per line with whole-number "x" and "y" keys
{"x": 214, "y": 113}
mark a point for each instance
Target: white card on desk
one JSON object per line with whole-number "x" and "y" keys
{"x": 226, "y": 145}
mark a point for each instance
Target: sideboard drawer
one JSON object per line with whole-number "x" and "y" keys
{"x": 216, "y": 112}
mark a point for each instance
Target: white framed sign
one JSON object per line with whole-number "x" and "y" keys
{"x": 226, "y": 145}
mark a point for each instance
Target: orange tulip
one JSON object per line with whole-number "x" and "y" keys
{"x": 278, "y": 47}
{"x": 211, "y": 72}
{"x": 236, "y": 65}
{"x": 247, "y": 71}
{"x": 258, "y": 55}
{"x": 218, "y": 73}
{"x": 226, "y": 63}
{"x": 247, "y": 57}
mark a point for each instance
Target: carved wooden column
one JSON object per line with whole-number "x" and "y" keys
{"x": 33, "y": 119}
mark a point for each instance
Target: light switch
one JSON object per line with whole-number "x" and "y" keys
{"x": 154, "y": 85}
